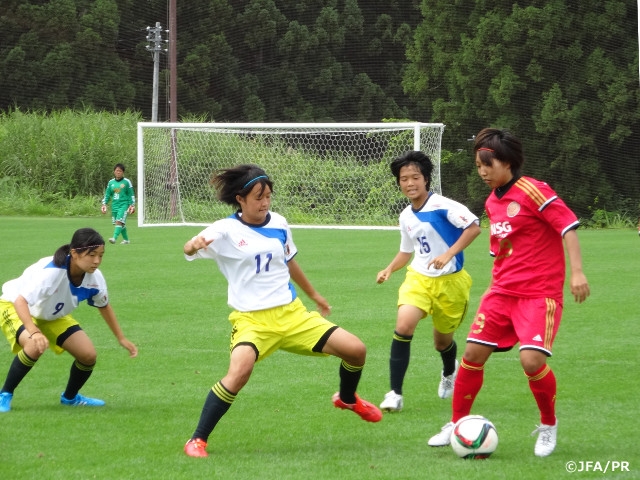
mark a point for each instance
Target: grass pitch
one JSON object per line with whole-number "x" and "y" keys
{"x": 283, "y": 425}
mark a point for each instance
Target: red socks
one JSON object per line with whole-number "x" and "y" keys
{"x": 543, "y": 387}
{"x": 468, "y": 384}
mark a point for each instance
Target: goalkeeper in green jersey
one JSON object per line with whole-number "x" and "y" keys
{"x": 123, "y": 202}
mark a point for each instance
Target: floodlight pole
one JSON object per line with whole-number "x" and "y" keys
{"x": 154, "y": 37}
{"x": 173, "y": 67}
{"x": 173, "y": 103}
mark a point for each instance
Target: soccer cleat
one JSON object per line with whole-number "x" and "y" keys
{"x": 5, "y": 401}
{"x": 196, "y": 448}
{"x": 443, "y": 438}
{"x": 112, "y": 240}
{"x": 547, "y": 437}
{"x": 81, "y": 401}
{"x": 392, "y": 402}
{"x": 366, "y": 410}
{"x": 125, "y": 242}
{"x": 445, "y": 389}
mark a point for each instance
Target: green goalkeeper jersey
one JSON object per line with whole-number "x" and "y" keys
{"x": 120, "y": 192}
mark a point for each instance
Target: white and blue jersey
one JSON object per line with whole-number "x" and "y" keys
{"x": 431, "y": 230}
{"x": 253, "y": 259}
{"x": 50, "y": 293}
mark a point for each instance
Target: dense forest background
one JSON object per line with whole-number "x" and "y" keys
{"x": 562, "y": 75}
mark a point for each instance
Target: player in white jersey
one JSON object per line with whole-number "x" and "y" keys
{"x": 35, "y": 313}
{"x": 255, "y": 252}
{"x": 240, "y": 250}
{"x": 435, "y": 230}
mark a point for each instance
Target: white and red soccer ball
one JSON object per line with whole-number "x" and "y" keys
{"x": 474, "y": 437}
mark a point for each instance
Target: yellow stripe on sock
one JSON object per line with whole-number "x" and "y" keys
{"x": 83, "y": 367}
{"x": 400, "y": 338}
{"x": 466, "y": 366}
{"x": 222, "y": 393}
{"x": 351, "y": 368}
{"x": 540, "y": 375}
{"x": 25, "y": 360}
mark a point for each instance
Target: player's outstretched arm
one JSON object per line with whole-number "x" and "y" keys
{"x": 298, "y": 276}
{"x": 110, "y": 318}
{"x": 399, "y": 261}
{"x": 195, "y": 244}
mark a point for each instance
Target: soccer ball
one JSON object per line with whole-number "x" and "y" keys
{"x": 474, "y": 436}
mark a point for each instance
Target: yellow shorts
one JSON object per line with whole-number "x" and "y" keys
{"x": 51, "y": 329}
{"x": 290, "y": 327}
{"x": 445, "y": 298}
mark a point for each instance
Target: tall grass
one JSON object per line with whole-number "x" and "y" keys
{"x": 283, "y": 426}
{"x": 66, "y": 153}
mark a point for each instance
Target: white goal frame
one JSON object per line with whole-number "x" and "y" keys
{"x": 171, "y": 165}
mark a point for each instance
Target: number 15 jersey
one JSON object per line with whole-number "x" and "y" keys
{"x": 431, "y": 230}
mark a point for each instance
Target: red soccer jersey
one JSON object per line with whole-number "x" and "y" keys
{"x": 527, "y": 226}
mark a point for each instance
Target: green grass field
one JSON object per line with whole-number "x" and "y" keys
{"x": 283, "y": 425}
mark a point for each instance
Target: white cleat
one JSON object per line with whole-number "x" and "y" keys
{"x": 547, "y": 438}
{"x": 445, "y": 389}
{"x": 392, "y": 402}
{"x": 443, "y": 438}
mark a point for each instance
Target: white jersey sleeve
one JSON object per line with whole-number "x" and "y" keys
{"x": 253, "y": 259}
{"x": 431, "y": 230}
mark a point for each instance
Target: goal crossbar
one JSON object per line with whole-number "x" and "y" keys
{"x": 326, "y": 175}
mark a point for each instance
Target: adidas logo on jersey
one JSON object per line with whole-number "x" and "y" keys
{"x": 537, "y": 338}
{"x": 242, "y": 243}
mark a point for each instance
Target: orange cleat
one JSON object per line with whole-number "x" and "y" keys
{"x": 366, "y": 410}
{"x": 196, "y": 448}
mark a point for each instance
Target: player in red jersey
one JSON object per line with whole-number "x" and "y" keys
{"x": 523, "y": 303}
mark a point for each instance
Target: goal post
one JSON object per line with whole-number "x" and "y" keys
{"x": 325, "y": 174}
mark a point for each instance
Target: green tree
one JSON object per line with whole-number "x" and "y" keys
{"x": 544, "y": 71}
{"x": 62, "y": 53}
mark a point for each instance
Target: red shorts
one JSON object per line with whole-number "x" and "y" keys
{"x": 503, "y": 320}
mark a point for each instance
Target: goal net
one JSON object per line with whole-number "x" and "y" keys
{"x": 325, "y": 175}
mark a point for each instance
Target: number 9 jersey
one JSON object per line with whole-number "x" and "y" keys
{"x": 49, "y": 292}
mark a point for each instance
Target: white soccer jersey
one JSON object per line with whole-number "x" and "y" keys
{"x": 253, "y": 259}
{"x": 49, "y": 292}
{"x": 431, "y": 230}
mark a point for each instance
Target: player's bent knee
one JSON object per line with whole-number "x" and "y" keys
{"x": 358, "y": 353}
{"x": 87, "y": 358}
